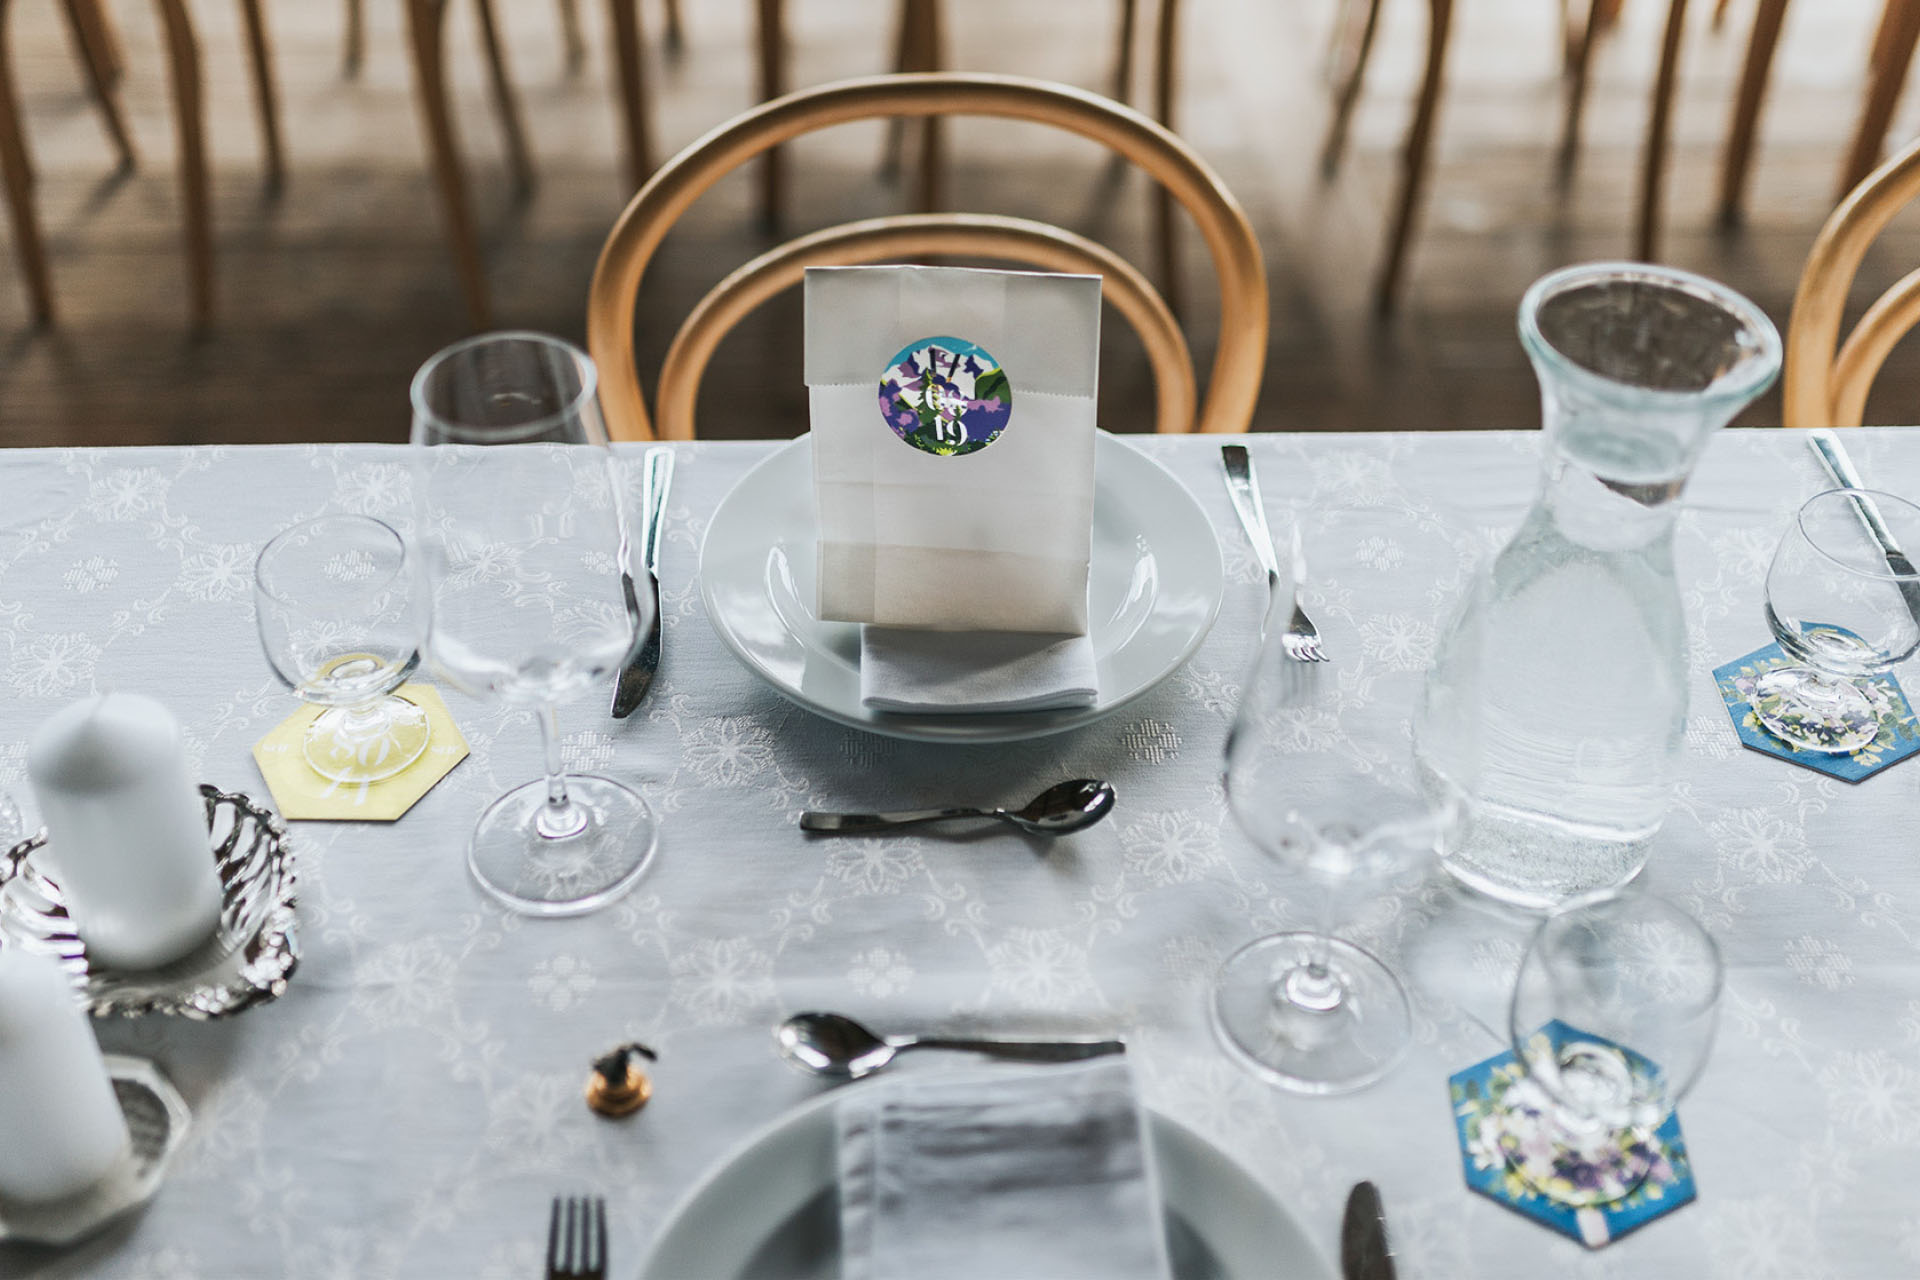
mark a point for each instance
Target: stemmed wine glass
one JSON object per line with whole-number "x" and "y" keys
{"x": 1844, "y": 602}
{"x": 521, "y": 533}
{"x": 341, "y": 620}
{"x": 1612, "y": 1020}
{"x": 1306, "y": 1010}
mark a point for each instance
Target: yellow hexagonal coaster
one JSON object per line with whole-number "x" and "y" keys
{"x": 300, "y": 792}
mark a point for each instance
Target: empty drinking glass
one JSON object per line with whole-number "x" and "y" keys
{"x": 1612, "y": 1020}
{"x": 341, "y": 619}
{"x": 1844, "y": 601}
{"x": 1306, "y": 1010}
{"x": 521, "y": 536}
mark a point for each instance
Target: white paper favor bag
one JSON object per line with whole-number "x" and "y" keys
{"x": 953, "y": 419}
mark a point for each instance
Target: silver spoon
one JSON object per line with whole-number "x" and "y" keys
{"x": 1069, "y": 806}
{"x": 832, "y": 1044}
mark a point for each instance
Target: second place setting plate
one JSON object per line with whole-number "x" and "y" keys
{"x": 1154, "y": 589}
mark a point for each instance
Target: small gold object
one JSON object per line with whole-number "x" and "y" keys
{"x": 618, "y": 1087}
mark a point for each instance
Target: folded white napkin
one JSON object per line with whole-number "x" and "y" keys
{"x": 974, "y": 671}
{"x": 953, "y": 436}
{"x": 1004, "y": 1174}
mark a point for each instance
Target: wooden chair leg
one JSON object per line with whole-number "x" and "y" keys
{"x": 98, "y": 51}
{"x": 353, "y": 50}
{"x": 1746, "y": 108}
{"x": 17, "y": 174}
{"x": 1123, "y": 50}
{"x": 629, "y": 50}
{"x": 1893, "y": 44}
{"x": 190, "y": 126}
{"x": 676, "y": 31}
{"x": 1413, "y": 175}
{"x": 571, "y": 40}
{"x": 909, "y": 38}
{"x": 95, "y": 28}
{"x": 1578, "y": 64}
{"x": 1350, "y": 76}
{"x": 1166, "y": 62}
{"x": 933, "y": 57}
{"x": 506, "y": 104}
{"x": 426, "y": 23}
{"x": 266, "y": 96}
{"x": 773, "y": 83}
{"x": 1653, "y": 172}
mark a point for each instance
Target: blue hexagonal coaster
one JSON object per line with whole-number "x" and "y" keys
{"x": 1496, "y": 1112}
{"x": 1899, "y": 735}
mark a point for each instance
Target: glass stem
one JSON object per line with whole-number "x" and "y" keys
{"x": 560, "y": 816}
{"x": 365, "y": 719}
{"x": 1314, "y": 985}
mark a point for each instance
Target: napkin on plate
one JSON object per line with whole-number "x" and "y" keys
{"x": 974, "y": 671}
{"x": 1002, "y": 1173}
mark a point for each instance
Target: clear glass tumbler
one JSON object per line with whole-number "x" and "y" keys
{"x": 1843, "y": 600}
{"x": 341, "y": 619}
{"x": 1613, "y": 1018}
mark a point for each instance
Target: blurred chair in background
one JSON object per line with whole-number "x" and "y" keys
{"x": 103, "y": 62}
{"x": 1826, "y": 381}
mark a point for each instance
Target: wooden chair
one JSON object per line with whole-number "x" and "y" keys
{"x": 426, "y": 22}
{"x": 101, "y": 60}
{"x": 920, "y": 45}
{"x": 100, "y": 53}
{"x": 1892, "y": 53}
{"x": 1888, "y": 59}
{"x": 919, "y": 235}
{"x": 1826, "y": 381}
{"x": 190, "y": 133}
{"x": 1238, "y": 362}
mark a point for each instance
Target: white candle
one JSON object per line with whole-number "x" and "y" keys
{"x": 126, "y": 830}
{"x": 61, "y": 1129}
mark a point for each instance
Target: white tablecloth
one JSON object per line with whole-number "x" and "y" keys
{"x": 410, "y": 1105}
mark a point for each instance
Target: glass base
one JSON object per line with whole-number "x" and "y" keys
{"x": 1310, "y": 1033}
{"x": 352, "y": 745}
{"x": 543, "y": 862}
{"x": 1810, "y": 710}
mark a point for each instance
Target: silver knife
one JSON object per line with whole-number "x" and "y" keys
{"x": 1833, "y": 457}
{"x": 1363, "y": 1236}
{"x": 637, "y": 676}
{"x": 1244, "y": 490}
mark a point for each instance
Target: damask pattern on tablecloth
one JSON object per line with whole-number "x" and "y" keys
{"x": 413, "y": 1101}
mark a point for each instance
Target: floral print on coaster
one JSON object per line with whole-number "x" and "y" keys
{"x": 1498, "y": 1113}
{"x": 1898, "y": 738}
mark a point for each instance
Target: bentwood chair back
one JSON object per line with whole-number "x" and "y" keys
{"x": 1033, "y": 244}
{"x": 1239, "y": 359}
{"x": 1826, "y": 381}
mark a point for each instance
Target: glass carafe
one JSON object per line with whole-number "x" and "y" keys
{"x": 1566, "y": 664}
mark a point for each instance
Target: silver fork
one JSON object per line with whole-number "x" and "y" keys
{"x": 577, "y": 1239}
{"x": 1301, "y": 639}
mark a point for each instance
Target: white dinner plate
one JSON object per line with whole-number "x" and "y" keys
{"x": 770, "y": 1211}
{"x": 1154, "y": 589}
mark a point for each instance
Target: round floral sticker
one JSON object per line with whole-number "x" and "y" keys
{"x": 946, "y": 396}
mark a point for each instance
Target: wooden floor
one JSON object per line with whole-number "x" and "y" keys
{"x": 333, "y": 292}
